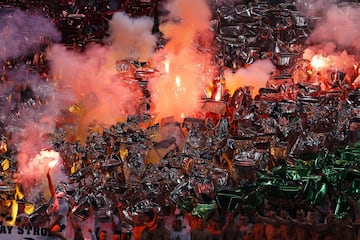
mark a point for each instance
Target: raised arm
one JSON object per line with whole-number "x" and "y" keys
{"x": 267, "y": 220}
{"x": 51, "y": 185}
{"x": 122, "y": 215}
{"x": 153, "y": 221}
{"x": 52, "y": 191}
{"x": 229, "y": 219}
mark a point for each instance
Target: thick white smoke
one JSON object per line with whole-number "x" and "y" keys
{"x": 132, "y": 38}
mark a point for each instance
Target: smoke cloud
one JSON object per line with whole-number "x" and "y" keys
{"x": 27, "y": 122}
{"x": 91, "y": 76}
{"x": 131, "y": 38}
{"x": 255, "y": 75}
{"x": 18, "y": 34}
{"x": 88, "y": 80}
{"x": 335, "y": 60}
{"x": 334, "y": 22}
{"x": 92, "y": 80}
{"x": 185, "y": 60}
{"x": 314, "y": 8}
{"x": 186, "y": 20}
{"x": 339, "y": 25}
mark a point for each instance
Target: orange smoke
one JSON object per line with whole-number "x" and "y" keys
{"x": 176, "y": 93}
{"x": 339, "y": 25}
{"x": 256, "y": 75}
{"x": 91, "y": 78}
{"x": 184, "y": 61}
{"x": 325, "y": 60}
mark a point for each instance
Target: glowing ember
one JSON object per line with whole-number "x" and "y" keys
{"x": 319, "y": 62}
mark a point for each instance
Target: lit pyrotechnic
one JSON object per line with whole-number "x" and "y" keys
{"x": 33, "y": 170}
{"x": 53, "y": 163}
{"x": 325, "y": 60}
{"x": 167, "y": 66}
{"x": 46, "y": 158}
{"x": 186, "y": 70}
{"x": 318, "y": 62}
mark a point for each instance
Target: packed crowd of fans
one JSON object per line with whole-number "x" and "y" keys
{"x": 113, "y": 193}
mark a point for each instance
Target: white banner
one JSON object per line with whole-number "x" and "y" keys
{"x": 23, "y": 233}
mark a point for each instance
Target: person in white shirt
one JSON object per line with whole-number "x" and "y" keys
{"x": 178, "y": 231}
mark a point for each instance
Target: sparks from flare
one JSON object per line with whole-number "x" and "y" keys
{"x": 175, "y": 80}
{"x": 179, "y": 88}
{"x": 178, "y": 81}
{"x": 52, "y": 163}
{"x": 319, "y": 62}
{"x": 35, "y": 168}
{"x": 178, "y": 92}
{"x": 46, "y": 157}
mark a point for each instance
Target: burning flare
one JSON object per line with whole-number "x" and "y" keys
{"x": 185, "y": 61}
{"x": 53, "y": 163}
{"x": 319, "y": 62}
